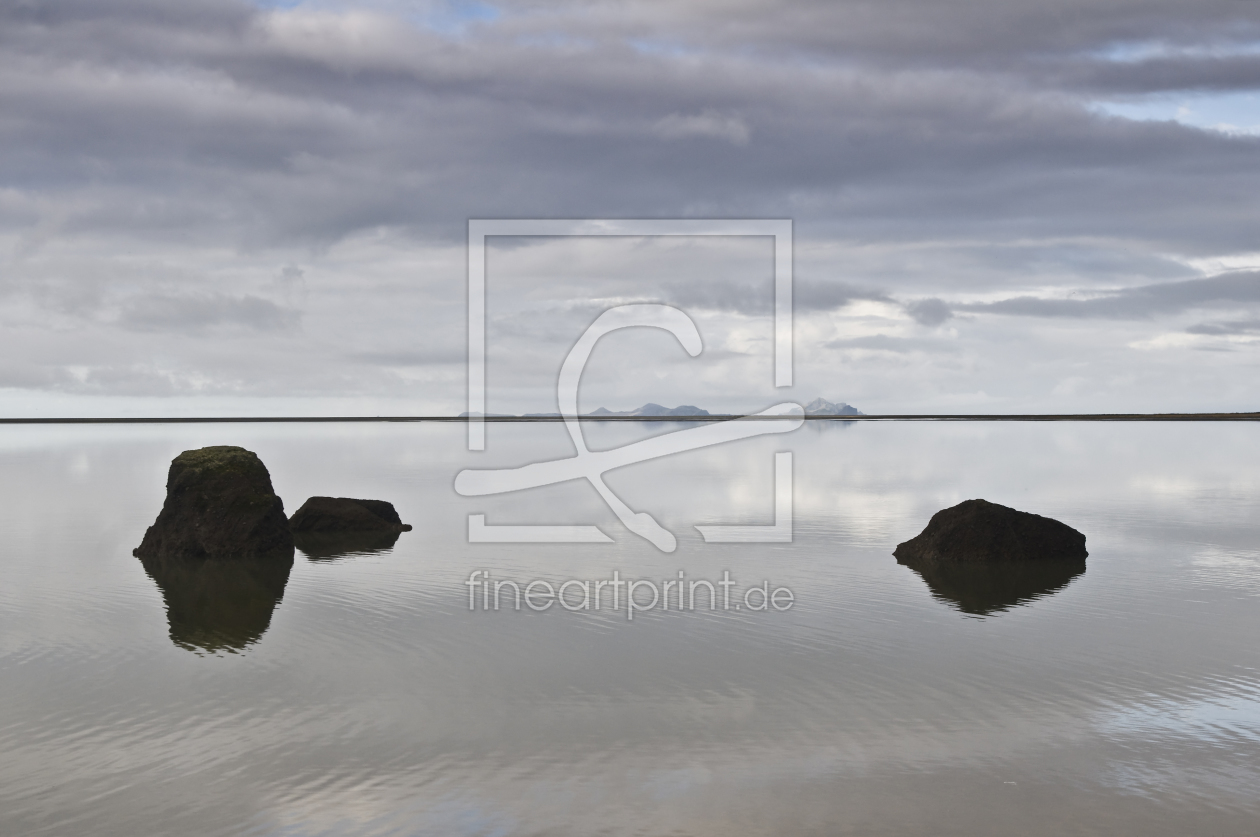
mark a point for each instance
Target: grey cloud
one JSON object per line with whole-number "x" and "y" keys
{"x": 1141, "y": 302}
{"x": 928, "y": 312}
{"x": 405, "y": 357}
{"x": 128, "y": 379}
{"x": 1224, "y": 329}
{"x": 709, "y": 123}
{"x": 31, "y": 376}
{"x": 821, "y": 296}
{"x": 888, "y": 343}
{"x": 198, "y": 312}
{"x": 752, "y": 299}
{"x": 980, "y": 32}
{"x": 744, "y": 297}
{"x": 929, "y": 149}
{"x": 1159, "y": 75}
{"x": 269, "y": 129}
{"x": 290, "y": 286}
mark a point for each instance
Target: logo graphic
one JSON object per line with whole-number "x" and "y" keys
{"x": 592, "y": 465}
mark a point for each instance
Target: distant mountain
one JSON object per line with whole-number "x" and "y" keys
{"x": 509, "y": 415}
{"x": 823, "y": 407}
{"x": 653, "y": 411}
{"x": 817, "y": 407}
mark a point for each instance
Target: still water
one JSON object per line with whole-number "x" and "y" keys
{"x": 355, "y": 693}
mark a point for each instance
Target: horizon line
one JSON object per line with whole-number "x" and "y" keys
{"x": 1238, "y": 416}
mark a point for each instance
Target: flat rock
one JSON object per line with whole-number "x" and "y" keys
{"x": 329, "y": 515}
{"x": 977, "y": 531}
{"x": 219, "y": 505}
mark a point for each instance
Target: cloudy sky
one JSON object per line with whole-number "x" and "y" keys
{"x": 211, "y": 206}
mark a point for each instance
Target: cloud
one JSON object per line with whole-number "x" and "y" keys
{"x": 935, "y": 157}
{"x": 1226, "y": 329}
{"x": 1141, "y": 302}
{"x": 889, "y": 343}
{"x": 1163, "y": 75}
{"x": 982, "y": 33}
{"x": 405, "y": 357}
{"x": 720, "y": 294}
{"x": 929, "y": 312}
{"x": 710, "y": 124}
{"x": 818, "y": 295}
{"x": 199, "y": 312}
{"x": 282, "y": 126}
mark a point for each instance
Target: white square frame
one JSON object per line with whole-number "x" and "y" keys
{"x": 479, "y": 229}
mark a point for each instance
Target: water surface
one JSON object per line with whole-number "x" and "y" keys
{"x": 355, "y": 693}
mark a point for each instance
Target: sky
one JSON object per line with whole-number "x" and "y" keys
{"x": 213, "y": 207}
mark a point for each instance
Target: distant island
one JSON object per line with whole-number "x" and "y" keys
{"x": 646, "y": 411}
{"x": 823, "y": 407}
{"x": 817, "y": 407}
{"x": 654, "y": 411}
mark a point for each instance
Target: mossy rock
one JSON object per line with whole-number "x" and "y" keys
{"x": 219, "y": 505}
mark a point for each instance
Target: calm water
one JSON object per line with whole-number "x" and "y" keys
{"x": 360, "y": 696}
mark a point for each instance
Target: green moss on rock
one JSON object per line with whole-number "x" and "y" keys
{"x": 219, "y": 504}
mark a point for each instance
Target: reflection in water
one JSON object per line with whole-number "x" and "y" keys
{"x": 823, "y": 425}
{"x": 379, "y": 704}
{"x": 328, "y": 546}
{"x": 219, "y": 605}
{"x": 985, "y": 589}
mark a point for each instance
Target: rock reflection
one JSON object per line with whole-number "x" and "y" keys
{"x": 217, "y": 605}
{"x": 987, "y": 589}
{"x": 329, "y": 546}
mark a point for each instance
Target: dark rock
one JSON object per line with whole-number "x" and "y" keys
{"x": 219, "y": 505}
{"x": 986, "y": 589}
{"x": 329, "y": 546}
{"x": 218, "y": 605}
{"x": 977, "y": 531}
{"x": 327, "y": 515}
